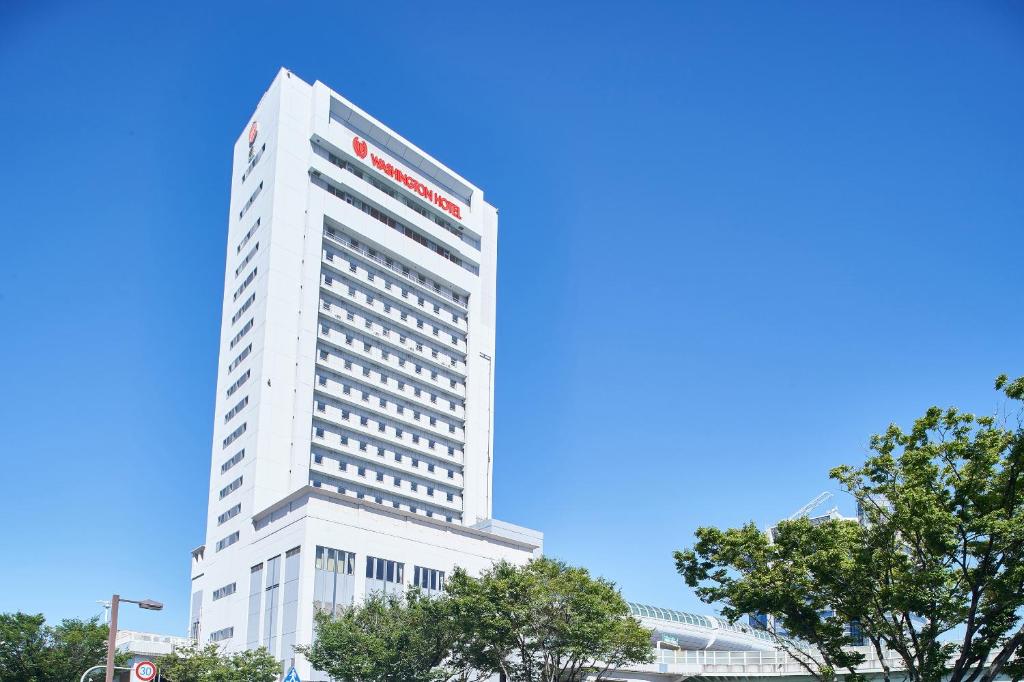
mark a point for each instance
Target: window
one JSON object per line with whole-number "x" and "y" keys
{"x": 238, "y": 383}
{"x": 222, "y": 634}
{"x": 222, "y": 592}
{"x": 235, "y": 459}
{"x": 241, "y": 356}
{"x": 270, "y": 602}
{"x": 253, "y": 160}
{"x": 248, "y": 280}
{"x": 334, "y": 581}
{"x": 429, "y": 580}
{"x": 319, "y": 432}
{"x": 236, "y": 409}
{"x": 248, "y": 236}
{"x": 234, "y": 435}
{"x": 248, "y": 257}
{"x": 228, "y": 541}
{"x": 231, "y": 487}
{"x": 384, "y": 575}
{"x": 245, "y": 306}
{"x": 229, "y": 514}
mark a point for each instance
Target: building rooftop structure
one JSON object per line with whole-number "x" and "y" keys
{"x": 689, "y": 631}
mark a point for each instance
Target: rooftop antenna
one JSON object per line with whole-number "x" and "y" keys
{"x": 106, "y": 610}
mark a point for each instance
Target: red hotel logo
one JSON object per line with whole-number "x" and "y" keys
{"x": 359, "y": 147}
{"x": 402, "y": 178}
{"x": 252, "y": 133}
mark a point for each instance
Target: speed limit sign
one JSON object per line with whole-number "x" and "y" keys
{"x": 143, "y": 671}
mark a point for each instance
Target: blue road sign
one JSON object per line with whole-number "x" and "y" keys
{"x": 292, "y": 676}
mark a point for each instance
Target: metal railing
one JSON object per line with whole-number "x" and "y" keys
{"x": 760, "y": 662}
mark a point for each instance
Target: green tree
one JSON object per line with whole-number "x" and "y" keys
{"x": 935, "y": 573}
{"x": 23, "y": 646}
{"x": 194, "y": 663}
{"x": 31, "y": 651}
{"x": 387, "y": 638}
{"x": 75, "y": 646}
{"x": 543, "y": 622}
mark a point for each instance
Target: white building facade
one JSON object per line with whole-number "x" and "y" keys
{"x": 352, "y": 444}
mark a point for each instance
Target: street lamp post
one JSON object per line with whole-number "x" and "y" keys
{"x": 147, "y": 604}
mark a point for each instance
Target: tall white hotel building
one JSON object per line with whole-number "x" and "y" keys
{"x": 352, "y": 440}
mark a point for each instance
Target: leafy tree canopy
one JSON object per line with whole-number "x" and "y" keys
{"x": 544, "y": 622}
{"x": 195, "y": 663}
{"x": 934, "y": 573}
{"x": 386, "y": 638}
{"x": 31, "y": 651}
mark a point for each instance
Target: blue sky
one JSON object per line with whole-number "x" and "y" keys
{"x": 736, "y": 240}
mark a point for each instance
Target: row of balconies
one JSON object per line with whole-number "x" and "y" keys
{"x": 410, "y": 442}
{"x": 428, "y": 489}
{"x": 353, "y": 375}
{"x": 399, "y": 293}
{"x": 442, "y": 352}
{"x": 447, "y": 475}
{"x": 442, "y": 433}
{"x": 366, "y": 346}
